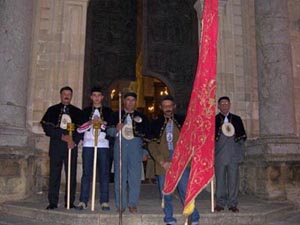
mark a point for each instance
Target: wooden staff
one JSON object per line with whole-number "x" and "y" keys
{"x": 70, "y": 128}
{"x": 96, "y": 126}
{"x": 120, "y": 161}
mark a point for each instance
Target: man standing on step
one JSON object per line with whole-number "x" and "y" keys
{"x": 54, "y": 123}
{"x": 165, "y": 133}
{"x": 96, "y": 112}
{"x": 229, "y": 153}
{"x": 134, "y": 127}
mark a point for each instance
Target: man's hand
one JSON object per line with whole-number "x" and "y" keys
{"x": 119, "y": 126}
{"x": 165, "y": 165}
{"x": 145, "y": 158}
{"x": 69, "y": 140}
{"x": 66, "y": 138}
{"x": 71, "y": 144}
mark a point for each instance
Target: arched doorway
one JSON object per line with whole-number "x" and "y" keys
{"x": 119, "y": 32}
{"x": 153, "y": 89}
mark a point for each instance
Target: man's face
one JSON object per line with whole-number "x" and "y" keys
{"x": 66, "y": 97}
{"x": 129, "y": 103}
{"x": 224, "y": 106}
{"x": 97, "y": 98}
{"x": 168, "y": 107}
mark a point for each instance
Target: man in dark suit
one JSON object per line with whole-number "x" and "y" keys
{"x": 54, "y": 123}
{"x": 229, "y": 153}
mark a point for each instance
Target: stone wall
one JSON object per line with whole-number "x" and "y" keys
{"x": 272, "y": 169}
{"x": 17, "y": 173}
{"x": 57, "y": 55}
{"x": 294, "y": 25}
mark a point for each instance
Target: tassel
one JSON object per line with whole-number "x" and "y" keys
{"x": 189, "y": 209}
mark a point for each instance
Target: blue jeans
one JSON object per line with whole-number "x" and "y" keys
{"x": 132, "y": 155}
{"x": 103, "y": 161}
{"x": 168, "y": 207}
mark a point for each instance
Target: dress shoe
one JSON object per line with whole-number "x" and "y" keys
{"x": 51, "y": 206}
{"x": 219, "y": 208}
{"x": 105, "y": 206}
{"x": 132, "y": 209}
{"x": 234, "y": 209}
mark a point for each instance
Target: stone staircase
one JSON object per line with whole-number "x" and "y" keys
{"x": 253, "y": 211}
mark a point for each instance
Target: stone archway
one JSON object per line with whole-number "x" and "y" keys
{"x": 170, "y": 44}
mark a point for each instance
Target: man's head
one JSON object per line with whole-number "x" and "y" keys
{"x": 167, "y": 105}
{"x": 130, "y": 101}
{"x": 224, "y": 105}
{"x": 97, "y": 96}
{"x": 66, "y": 94}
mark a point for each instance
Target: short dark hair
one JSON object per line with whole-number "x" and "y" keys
{"x": 66, "y": 88}
{"x": 223, "y": 98}
{"x": 167, "y": 97}
{"x": 96, "y": 89}
{"x": 132, "y": 94}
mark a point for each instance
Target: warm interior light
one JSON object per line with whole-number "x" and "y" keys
{"x": 151, "y": 108}
{"x": 112, "y": 94}
{"x": 165, "y": 91}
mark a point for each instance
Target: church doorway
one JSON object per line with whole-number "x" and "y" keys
{"x": 149, "y": 93}
{"x": 126, "y": 41}
{"x": 113, "y": 55}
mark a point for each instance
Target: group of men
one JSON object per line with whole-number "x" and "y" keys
{"x": 161, "y": 135}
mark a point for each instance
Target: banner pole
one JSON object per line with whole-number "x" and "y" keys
{"x": 120, "y": 161}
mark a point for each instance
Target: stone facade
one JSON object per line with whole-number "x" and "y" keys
{"x": 44, "y": 47}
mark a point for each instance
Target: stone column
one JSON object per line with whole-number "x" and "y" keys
{"x": 15, "y": 37}
{"x": 274, "y": 62}
{"x": 273, "y": 159}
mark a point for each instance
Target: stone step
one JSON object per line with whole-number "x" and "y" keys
{"x": 253, "y": 211}
{"x": 86, "y": 217}
{"x": 292, "y": 218}
{"x": 7, "y": 219}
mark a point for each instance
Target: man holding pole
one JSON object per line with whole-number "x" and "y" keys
{"x": 165, "y": 132}
{"x": 55, "y": 123}
{"x": 93, "y": 115}
{"x": 134, "y": 127}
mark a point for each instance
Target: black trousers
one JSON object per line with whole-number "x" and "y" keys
{"x": 58, "y": 158}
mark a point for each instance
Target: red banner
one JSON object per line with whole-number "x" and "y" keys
{"x": 196, "y": 139}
